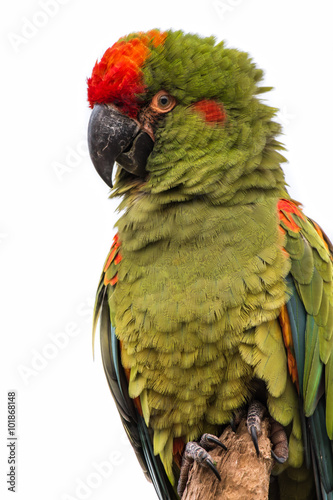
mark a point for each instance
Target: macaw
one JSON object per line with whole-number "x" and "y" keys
{"x": 216, "y": 296}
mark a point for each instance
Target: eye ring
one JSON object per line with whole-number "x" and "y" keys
{"x": 163, "y": 102}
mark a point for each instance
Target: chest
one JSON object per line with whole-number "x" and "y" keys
{"x": 203, "y": 290}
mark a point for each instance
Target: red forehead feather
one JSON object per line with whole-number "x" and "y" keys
{"x": 118, "y": 75}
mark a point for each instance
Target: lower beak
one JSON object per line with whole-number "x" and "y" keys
{"x": 113, "y": 136}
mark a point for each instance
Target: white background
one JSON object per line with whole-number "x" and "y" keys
{"x": 56, "y": 222}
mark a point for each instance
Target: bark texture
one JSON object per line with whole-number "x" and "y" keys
{"x": 243, "y": 474}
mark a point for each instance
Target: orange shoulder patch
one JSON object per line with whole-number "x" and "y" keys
{"x": 286, "y": 208}
{"x": 111, "y": 274}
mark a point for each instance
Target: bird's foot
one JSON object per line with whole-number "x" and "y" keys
{"x": 198, "y": 452}
{"x": 280, "y": 450}
{"x": 278, "y": 437}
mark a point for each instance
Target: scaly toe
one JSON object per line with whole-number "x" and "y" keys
{"x": 198, "y": 452}
{"x": 255, "y": 415}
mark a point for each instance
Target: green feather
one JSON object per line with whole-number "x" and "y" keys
{"x": 160, "y": 440}
{"x": 313, "y": 367}
{"x": 145, "y": 407}
{"x": 137, "y": 383}
{"x": 329, "y": 396}
{"x": 270, "y": 357}
{"x": 311, "y": 294}
{"x": 166, "y": 457}
{"x": 302, "y": 267}
{"x": 321, "y": 445}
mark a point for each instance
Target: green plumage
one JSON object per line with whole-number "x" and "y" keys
{"x": 203, "y": 271}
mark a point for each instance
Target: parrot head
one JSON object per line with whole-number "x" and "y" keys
{"x": 178, "y": 112}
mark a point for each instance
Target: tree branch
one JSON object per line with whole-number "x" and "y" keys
{"x": 243, "y": 474}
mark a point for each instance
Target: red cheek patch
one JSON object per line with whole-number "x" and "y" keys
{"x": 211, "y": 111}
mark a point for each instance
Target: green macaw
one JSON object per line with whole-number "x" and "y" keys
{"x": 217, "y": 293}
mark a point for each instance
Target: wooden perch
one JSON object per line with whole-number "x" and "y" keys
{"x": 243, "y": 474}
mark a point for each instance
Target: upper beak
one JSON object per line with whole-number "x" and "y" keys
{"x": 113, "y": 136}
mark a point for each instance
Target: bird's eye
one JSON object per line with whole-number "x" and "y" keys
{"x": 163, "y": 102}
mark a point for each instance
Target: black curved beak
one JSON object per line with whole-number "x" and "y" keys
{"x": 113, "y": 136}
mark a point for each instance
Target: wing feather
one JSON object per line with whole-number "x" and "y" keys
{"x": 310, "y": 311}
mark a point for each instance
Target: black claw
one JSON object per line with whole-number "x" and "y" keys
{"x": 255, "y": 439}
{"x": 213, "y": 468}
{"x": 280, "y": 460}
{"x": 216, "y": 441}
